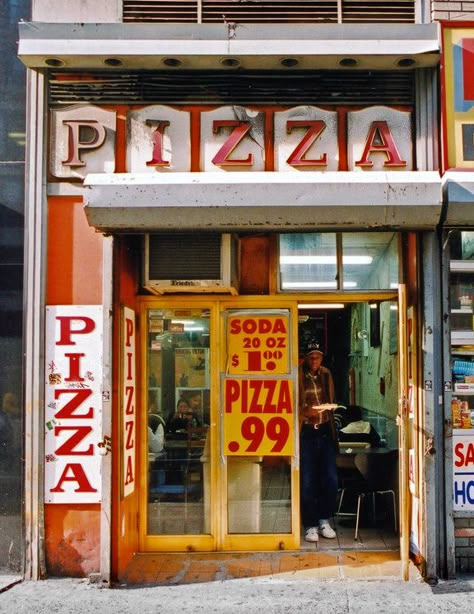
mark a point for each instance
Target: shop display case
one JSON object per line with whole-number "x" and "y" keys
{"x": 461, "y": 320}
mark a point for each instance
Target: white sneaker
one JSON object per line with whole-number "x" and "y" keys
{"x": 311, "y": 534}
{"x": 327, "y": 531}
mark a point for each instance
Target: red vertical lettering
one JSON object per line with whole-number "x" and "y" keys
{"x": 240, "y": 130}
{"x": 129, "y": 366}
{"x": 157, "y": 155}
{"x": 74, "y": 472}
{"x": 129, "y": 407}
{"x": 67, "y": 331}
{"x": 380, "y": 140}
{"x": 79, "y": 397}
{"x": 74, "y": 367}
{"x": 129, "y": 478}
{"x": 129, "y": 441}
{"x": 77, "y": 129}
{"x": 69, "y": 446}
{"x": 129, "y": 330}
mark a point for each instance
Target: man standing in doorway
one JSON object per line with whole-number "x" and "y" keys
{"x": 318, "y": 445}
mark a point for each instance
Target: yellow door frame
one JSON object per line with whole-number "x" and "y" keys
{"x": 219, "y": 539}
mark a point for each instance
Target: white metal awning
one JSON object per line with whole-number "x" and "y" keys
{"x": 207, "y": 46}
{"x": 131, "y": 202}
{"x": 458, "y": 190}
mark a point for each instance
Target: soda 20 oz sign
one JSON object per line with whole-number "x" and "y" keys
{"x": 258, "y": 391}
{"x": 73, "y": 404}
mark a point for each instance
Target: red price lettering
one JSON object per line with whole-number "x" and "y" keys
{"x": 251, "y": 342}
{"x": 253, "y": 430}
{"x": 277, "y": 430}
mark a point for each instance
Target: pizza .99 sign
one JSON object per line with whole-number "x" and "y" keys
{"x": 258, "y": 417}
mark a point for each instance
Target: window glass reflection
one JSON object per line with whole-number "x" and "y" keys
{"x": 259, "y": 494}
{"x": 308, "y": 262}
{"x": 178, "y": 418}
{"x": 369, "y": 260}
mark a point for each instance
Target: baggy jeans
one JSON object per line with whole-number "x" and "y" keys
{"x": 318, "y": 475}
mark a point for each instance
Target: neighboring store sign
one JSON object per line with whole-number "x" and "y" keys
{"x": 258, "y": 393}
{"x": 232, "y": 138}
{"x": 73, "y": 404}
{"x": 463, "y": 470}
{"x": 129, "y": 412}
{"x": 458, "y": 99}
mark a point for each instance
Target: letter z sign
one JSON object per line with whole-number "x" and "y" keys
{"x": 73, "y": 404}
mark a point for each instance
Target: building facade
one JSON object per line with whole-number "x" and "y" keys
{"x": 205, "y": 195}
{"x": 12, "y": 172}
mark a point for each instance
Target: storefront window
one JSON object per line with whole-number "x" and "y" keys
{"x": 259, "y": 494}
{"x": 178, "y": 421}
{"x": 369, "y": 260}
{"x": 460, "y": 300}
{"x": 310, "y": 262}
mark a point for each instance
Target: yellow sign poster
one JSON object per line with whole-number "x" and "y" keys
{"x": 258, "y": 344}
{"x": 258, "y": 417}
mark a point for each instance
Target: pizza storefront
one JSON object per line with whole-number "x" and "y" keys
{"x": 192, "y": 254}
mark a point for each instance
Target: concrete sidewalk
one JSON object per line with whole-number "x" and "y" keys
{"x": 275, "y": 594}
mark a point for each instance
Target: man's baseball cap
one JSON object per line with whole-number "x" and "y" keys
{"x": 313, "y": 346}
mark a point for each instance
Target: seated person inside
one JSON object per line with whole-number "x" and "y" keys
{"x": 183, "y": 419}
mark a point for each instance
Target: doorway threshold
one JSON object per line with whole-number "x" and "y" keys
{"x": 167, "y": 568}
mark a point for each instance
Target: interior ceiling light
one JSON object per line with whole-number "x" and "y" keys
{"x": 311, "y": 285}
{"x": 321, "y": 306}
{"x": 325, "y": 259}
{"x": 172, "y": 62}
{"x": 54, "y": 62}
{"x": 289, "y": 62}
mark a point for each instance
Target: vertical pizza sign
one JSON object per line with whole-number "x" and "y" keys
{"x": 73, "y": 404}
{"x": 258, "y": 391}
{"x": 128, "y": 400}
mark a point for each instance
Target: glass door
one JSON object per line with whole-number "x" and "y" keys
{"x": 259, "y": 430}
{"x": 178, "y": 431}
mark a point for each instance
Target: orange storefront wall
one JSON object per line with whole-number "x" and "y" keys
{"x": 74, "y": 277}
{"x": 125, "y": 510}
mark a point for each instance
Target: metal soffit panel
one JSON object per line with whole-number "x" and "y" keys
{"x": 132, "y": 202}
{"x": 216, "y": 46}
{"x": 229, "y": 87}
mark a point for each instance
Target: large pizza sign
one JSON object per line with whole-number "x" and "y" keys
{"x": 258, "y": 392}
{"x": 73, "y": 404}
{"x": 164, "y": 139}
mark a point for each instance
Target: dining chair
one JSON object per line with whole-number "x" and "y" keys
{"x": 378, "y": 472}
